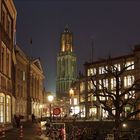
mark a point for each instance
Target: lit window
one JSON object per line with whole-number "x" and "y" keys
{"x": 82, "y": 86}
{"x": 113, "y": 83}
{"x": 117, "y": 67}
{"x": 102, "y": 97}
{"x": 2, "y": 107}
{"x": 91, "y": 71}
{"x": 82, "y": 98}
{"x": 23, "y": 75}
{"x": 128, "y": 80}
{"x": 130, "y": 95}
{"x": 105, "y": 113}
{"x": 105, "y": 83}
{"x": 8, "y": 109}
{"x": 91, "y": 85}
{"x": 75, "y": 101}
{"x": 93, "y": 112}
{"x": 93, "y": 98}
{"x": 130, "y": 65}
{"x": 102, "y": 70}
{"x": 75, "y": 110}
{"x": 100, "y": 84}
{"x": 70, "y": 102}
{"x": 113, "y": 111}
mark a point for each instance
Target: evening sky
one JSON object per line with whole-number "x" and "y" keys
{"x": 113, "y": 26}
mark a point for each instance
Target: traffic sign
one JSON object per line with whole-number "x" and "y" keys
{"x": 56, "y": 111}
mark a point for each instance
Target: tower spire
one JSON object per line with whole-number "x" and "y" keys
{"x": 66, "y": 30}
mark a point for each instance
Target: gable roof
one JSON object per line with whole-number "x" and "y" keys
{"x": 37, "y": 63}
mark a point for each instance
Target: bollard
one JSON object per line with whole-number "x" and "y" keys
{"x": 21, "y": 131}
{"x": 3, "y": 130}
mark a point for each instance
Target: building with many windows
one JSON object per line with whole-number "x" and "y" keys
{"x": 35, "y": 82}
{"x": 66, "y": 64}
{"x": 87, "y": 101}
{"x": 7, "y": 27}
{"x": 20, "y": 93}
{"x": 29, "y": 85}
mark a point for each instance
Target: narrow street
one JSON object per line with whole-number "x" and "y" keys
{"x": 29, "y": 131}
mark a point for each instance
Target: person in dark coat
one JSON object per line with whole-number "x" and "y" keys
{"x": 33, "y": 118}
{"x": 17, "y": 120}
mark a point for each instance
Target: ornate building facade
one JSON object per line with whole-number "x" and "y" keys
{"x": 7, "y": 27}
{"x": 29, "y": 87}
{"x": 66, "y": 64}
{"x": 36, "y": 87}
{"x": 21, "y": 83}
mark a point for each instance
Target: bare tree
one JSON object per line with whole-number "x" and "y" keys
{"x": 114, "y": 100}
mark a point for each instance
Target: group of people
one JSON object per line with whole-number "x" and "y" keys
{"x": 17, "y": 119}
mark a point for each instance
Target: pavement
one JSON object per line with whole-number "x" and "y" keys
{"x": 28, "y": 131}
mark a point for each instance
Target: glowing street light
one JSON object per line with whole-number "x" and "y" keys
{"x": 124, "y": 125}
{"x": 50, "y": 99}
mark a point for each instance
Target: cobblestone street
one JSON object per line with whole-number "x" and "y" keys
{"x": 30, "y": 131}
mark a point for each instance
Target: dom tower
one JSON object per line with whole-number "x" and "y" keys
{"x": 66, "y": 64}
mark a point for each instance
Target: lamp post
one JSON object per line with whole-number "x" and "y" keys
{"x": 50, "y": 99}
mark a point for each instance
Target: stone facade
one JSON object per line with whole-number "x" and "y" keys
{"x": 29, "y": 85}
{"x": 7, "y": 31}
{"x": 35, "y": 88}
{"x": 66, "y": 65}
{"x": 21, "y": 82}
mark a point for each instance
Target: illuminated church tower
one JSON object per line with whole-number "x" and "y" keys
{"x": 66, "y": 64}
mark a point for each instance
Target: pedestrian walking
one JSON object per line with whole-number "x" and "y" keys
{"x": 17, "y": 120}
{"x": 33, "y": 118}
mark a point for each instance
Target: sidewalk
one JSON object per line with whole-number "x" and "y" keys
{"x": 30, "y": 131}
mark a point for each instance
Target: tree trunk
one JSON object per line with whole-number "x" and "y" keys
{"x": 117, "y": 130}
{"x": 116, "y": 134}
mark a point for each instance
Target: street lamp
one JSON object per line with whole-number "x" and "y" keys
{"x": 71, "y": 94}
{"x": 124, "y": 125}
{"x": 50, "y": 99}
